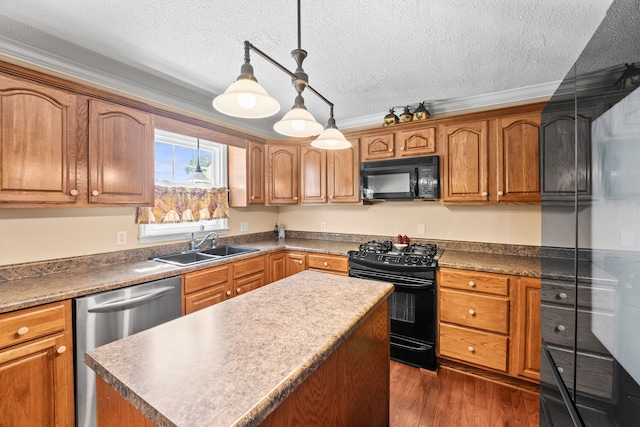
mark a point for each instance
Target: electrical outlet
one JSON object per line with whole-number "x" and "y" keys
{"x": 244, "y": 226}
{"x": 422, "y": 230}
{"x": 323, "y": 226}
{"x": 121, "y": 238}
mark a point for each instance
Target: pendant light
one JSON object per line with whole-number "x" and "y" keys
{"x": 331, "y": 138}
{"x": 198, "y": 175}
{"x": 247, "y": 99}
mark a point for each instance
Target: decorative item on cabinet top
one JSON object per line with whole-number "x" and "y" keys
{"x": 420, "y": 113}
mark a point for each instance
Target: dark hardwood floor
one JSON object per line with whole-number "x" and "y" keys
{"x": 453, "y": 398}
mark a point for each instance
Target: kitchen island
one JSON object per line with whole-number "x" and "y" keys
{"x": 311, "y": 349}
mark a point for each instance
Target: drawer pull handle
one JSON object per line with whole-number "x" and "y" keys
{"x": 326, "y": 264}
{"x": 73, "y": 192}
{"x": 472, "y": 283}
{"x": 238, "y": 290}
{"x": 472, "y": 312}
{"x": 299, "y": 261}
{"x": 561, "y": 328}
{"x": 23, "y": 331}
{"x": 61, "y": 349}
{"x": 228, "y": 293}
{"x": 560, "y": 369}
{"x": 562, "y": 295}
{"x": 471, "y": 349}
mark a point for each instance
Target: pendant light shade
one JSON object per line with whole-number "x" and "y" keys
{"x": 198, "y": 175}
{"x": 298, "y": 122}
{"x": 245, "y": 98}
{"x": 331, "y": 138}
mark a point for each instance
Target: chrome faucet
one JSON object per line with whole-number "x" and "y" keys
{"x": 195, "y": 245}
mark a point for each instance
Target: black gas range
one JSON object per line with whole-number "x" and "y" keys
{"x": 412, "y": 306}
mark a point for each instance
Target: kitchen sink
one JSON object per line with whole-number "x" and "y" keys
{"x": 201, "y": 256}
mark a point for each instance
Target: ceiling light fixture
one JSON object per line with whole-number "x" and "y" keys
{"x": 198, "y": 175}
{"x": 245, "y": 98}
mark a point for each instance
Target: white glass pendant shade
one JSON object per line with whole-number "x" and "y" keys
{"x": 245, "y": 98}
{"x": 331, "y": 139}
{"x": 298, "y": 122}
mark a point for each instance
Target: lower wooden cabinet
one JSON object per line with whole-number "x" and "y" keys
{"x": 336, "y": 264}
{"x": 490, "y": 321}
{"x": 275, "y": 266}
{"x": 295, "y": 262}
{"x": 36, "y": 366}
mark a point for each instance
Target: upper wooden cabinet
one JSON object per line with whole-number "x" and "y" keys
{"x": 282, "y": 175}
{"x": 121, "y": 162}
{"x": 330, "y": 176}
{"x": 38, "y": 158}
{"x": 494, "y": 161}
{"x": 246, "y": 175}
{"x": 465, "y": 171}
{"x": 409, "y": 142}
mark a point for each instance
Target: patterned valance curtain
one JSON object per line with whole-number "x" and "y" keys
{"x": 185, "y": 204}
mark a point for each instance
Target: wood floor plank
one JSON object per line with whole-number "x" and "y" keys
{"x": 454, "y": 398}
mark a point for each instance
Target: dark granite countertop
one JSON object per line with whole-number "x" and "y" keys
{"x": 231, "y": 364}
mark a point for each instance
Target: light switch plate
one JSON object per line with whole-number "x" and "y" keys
{"x": 244, "y": 226}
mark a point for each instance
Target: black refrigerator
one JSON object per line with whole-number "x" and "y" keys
{"x": 590, "y": 257}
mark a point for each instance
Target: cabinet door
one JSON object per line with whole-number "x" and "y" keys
{"x": 416, "y": 142}
{"x": 558, "y": 145}
{"x": 343, "y": 174}
{"x": 246, "y": 175}
{"x": 313, "y": 175}
{"x": 255, "y": 173}
{"x": 121, "y": 161}
{"x": 248, "y": 283}
{"x": 282, "y": 170}
{"x": 335, "y": 264}
{"x": 529, "y": 340}
{"x": 517, "y": 159}
{"x": 38, "y": 155}
{"x": 465, "y": 176}
{"x": 295, "y": 262}
{"x": 206, "y": 298}
{"x": 377, "y": 147}
{"x": 276, "y": 267}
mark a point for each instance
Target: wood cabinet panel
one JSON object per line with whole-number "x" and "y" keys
{"x": 207, "y": 297}
{"x": 282, "y": 178}
{"x": 480, "y": 348}
{"x": 31, "y": 323}
{"x": 121, "y": 162}
{"x": 378, "y": 147}
{"x": 517, "y": 153}
{"x": 248, "y": 283}
{"x": 343, "y": 174}
{"x": 38, "y": 151}
{"x": 529, "y": 341}
{"x": 466, "y": 165}
{"x": 558, "y": 327}
{"x": 416, "y": 142}
{"x": 295, "y": 262}
{"x": 329, "y": 263}
{"x": 313, "y": 175}
{"x": 246, "y": 175}
{"x": 476, "y": 311}
{"x": 37, "y": 374}
{"x": 198, "y": 280}
{"x": 276, "y": 267}
{"x": 475, "y": 281}
{"x": 248, "y": 266}
{"x": 596, "y": 372}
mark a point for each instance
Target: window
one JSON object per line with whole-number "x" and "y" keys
{"x": 176, "y": 157}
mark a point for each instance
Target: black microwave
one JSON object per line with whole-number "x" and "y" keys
{"x": 401, "y": 179}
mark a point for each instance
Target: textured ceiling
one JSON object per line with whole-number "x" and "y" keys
{"x": 363, "y": 55}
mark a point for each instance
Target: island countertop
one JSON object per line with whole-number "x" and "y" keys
{"x": 233, "y": 363}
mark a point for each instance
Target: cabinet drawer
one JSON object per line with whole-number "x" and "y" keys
{"x": 480, "y": 348}
{"x": 477, "y": 311}
{"x": 595, "y": 372}
{"x": 475, "y": 281}
{"x": 557, "y": 326}
{"x": 203, "y": 299}
{"x": 203, "y": 279}
{"x": 559, "y": 292}
{"x": 24, "y": 325}
{"x": 249, "y": 283}
{"x": 247, "y": 267}
{"x": 330, "y": 263}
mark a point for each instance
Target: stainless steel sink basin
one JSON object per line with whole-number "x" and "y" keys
{"x": 227, "y": 250}
{"x": 201, "y": 256}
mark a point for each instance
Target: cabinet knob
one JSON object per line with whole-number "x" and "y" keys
{"x": 95, "y": 193}
{"x": 295, "y": 198}
{"x": 561, "y": 328}
{"x": 472, "y": 283}
{"x": 471, "y": 349}
{"x": 238, "y": 290}
{"x": 500, "y": 193}
{"x": 326, "y": 264}
{"x": 390, "y": 150}
{"x": 299, "y": 261}
{"x": 401, "y": 148}
{"x": 322, "y": 197}
{"x": 562, "y": 295}
{"x": 73, "y": 192}
{"x": 228, "y": 293}
{"x": 331, "y": 196}
{"x": 61, "y": 349}
{"x": 485, "y": 194}
{"x": 560, "y": 369}
{"x": 253, "y": 197}
{"x": 23, "y": 331}
{"x": 472, "y": 312}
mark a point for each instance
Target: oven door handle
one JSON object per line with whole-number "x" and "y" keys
{"x": 401, "y": 281}
{"x": 413, "y": 348}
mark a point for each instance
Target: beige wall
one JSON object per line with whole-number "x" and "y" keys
{"x": 28, "y": 235}
{"x": 494, "y": 224}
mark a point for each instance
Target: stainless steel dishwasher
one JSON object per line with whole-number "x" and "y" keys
{"x": 108, "y": 316}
